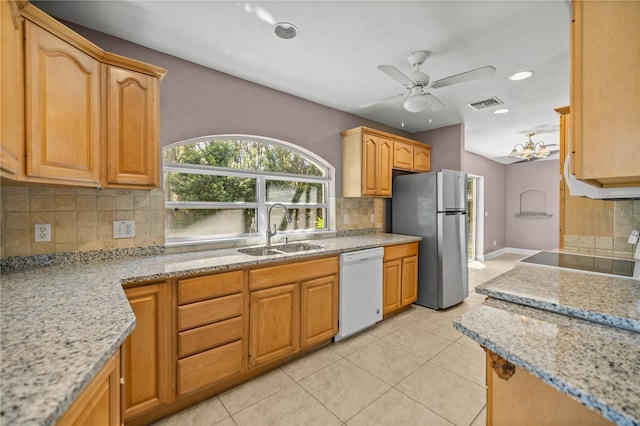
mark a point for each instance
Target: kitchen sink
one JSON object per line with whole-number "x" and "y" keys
{"x": 294, "y": 247}
{"x": 279, "y": 249}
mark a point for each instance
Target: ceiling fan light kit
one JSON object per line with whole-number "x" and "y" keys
{"x": 417, "y": 83}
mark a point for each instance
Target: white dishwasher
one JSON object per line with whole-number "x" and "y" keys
{"x": 360, "y": 291}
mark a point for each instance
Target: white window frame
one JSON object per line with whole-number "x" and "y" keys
{"x": 261, "y": 205}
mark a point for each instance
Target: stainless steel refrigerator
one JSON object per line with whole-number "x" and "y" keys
{"x": 434, "y": 207}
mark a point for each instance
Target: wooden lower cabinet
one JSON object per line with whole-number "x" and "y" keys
{"x": 146, "y": 353}
{"x": 318, "y": 310}
{"x": 523, "y": 400}
{"x": 210, "y": 331}
{"x": 292, "y": 307}
{"x": 399, "y": 277}
{"x": 199, "y": 336}
{"x": 275, "y": 324}
{"x": 99, "y": 403}
{"x": 209, "y": 367}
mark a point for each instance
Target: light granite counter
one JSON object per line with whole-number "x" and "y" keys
{"x": 600, "y": 298}
{"x": 595, "y": 364}
{"x": 61, "y": 323}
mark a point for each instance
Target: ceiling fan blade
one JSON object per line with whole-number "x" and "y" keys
{"x": 463, "y": 77}
{"x": 379, "y": 101}
{"x": 436, "y": 104}
{"x": 395, "y": 74}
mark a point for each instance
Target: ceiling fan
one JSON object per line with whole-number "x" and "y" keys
{"x": 418, "y": 98}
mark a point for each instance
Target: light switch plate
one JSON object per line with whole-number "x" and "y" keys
{"x": 124, "y": 229}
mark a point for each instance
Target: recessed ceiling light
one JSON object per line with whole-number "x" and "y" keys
{"x": 285, "y": 30}
{"x": 521, "y": 75}
{"x": 501, "y": 111}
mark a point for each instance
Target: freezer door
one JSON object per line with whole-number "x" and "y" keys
{"x": 453, "y": 285}
{"x": 452, "y": 190}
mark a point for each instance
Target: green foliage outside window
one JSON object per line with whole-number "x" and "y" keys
{"x": 241, "y": 155}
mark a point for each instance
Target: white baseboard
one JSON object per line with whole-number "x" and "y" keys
{"x": 505, "y": 250}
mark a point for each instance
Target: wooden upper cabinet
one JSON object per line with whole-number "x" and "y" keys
{"x": 376, "y": 166}
{"x": 369, "y": 156}
{"x": 132, "y": 128}
{"x": 402, "y": 156}
{"x": 71, "y": 113}
{"x": 11, "y": 93}
{"x": 62, "y": 109}
{"x": 421, "y": 158}
{"x": 605, "y": 92}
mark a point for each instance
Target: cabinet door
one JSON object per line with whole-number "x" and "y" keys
{"x": 132, "y": 128}
{"x": 319, "y": 310}
{"x": 421, "y": 159}
{"x": 62, "y": 110}
{"x": 383, "y": 167}
{"x": 99, "y": 403}
{"x": 409, "y": 282}
{"x": 274, "y": 324}
{"x": 12, "y": 93}
{"x": 402, "y": 156}
{"x": 369, "y": 170}
{"x": 146, "y": 354}
{"x": 392, "y": 275}
{"x": 605, "y": 111}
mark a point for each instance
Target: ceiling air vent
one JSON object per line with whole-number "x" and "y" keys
{"x": 487, "y": 103}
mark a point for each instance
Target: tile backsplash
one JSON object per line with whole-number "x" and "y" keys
{"x": 81, "y": 219}
{"x": 626, "y": 217}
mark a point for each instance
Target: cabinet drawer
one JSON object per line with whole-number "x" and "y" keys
{"x": 209, "y": 336}
{"x": 401, "y": 250}
{"x": 208, "y": 311}
{"x": 293, "y": 272}
{"x": 201, "y": 288}
{"x": 209, "y": 367}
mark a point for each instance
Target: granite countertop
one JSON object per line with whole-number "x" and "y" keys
{"x": 593, "y": 363}
{"x": 600, "y": 298}
{"x": 61, "y": 323}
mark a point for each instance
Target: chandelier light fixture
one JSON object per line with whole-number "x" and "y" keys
{"x": 530, "y": 150}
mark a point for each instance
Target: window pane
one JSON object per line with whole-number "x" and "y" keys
{"x": 303, "y": 218}
{"x": 185, "y": 223}
{"x": 288, "y": 192}
{"x": 243, "y": 154}
{"x": 193, "y": 187}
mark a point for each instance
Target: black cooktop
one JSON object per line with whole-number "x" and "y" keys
{"x": 602, "y": 265}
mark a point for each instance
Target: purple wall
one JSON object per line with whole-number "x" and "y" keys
{"x": 526, "y": 232}
{"x": 447, "y": 146}
{"x": 198, "y": 101}
{"x": 495, "y": 177}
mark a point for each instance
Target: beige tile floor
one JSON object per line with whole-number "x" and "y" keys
{"x": 412, "y": 369}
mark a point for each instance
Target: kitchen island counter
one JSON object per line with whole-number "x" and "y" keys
{"x": 61, "y": 323}
{"x": 577, "y": 332}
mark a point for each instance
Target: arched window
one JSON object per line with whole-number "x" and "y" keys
{"x": 221, "y": 187}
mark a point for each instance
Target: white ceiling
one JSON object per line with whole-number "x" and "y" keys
{"x": 334, "y": 58}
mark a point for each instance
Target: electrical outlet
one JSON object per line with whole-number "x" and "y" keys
{"x": 124, "y": 228}
{"x": 42, "y": 232}
{"x": 346, "y": 218}
{"x": 373, "y": 218}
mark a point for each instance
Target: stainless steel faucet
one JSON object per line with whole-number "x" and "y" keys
{"x": 275, "y": 228}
